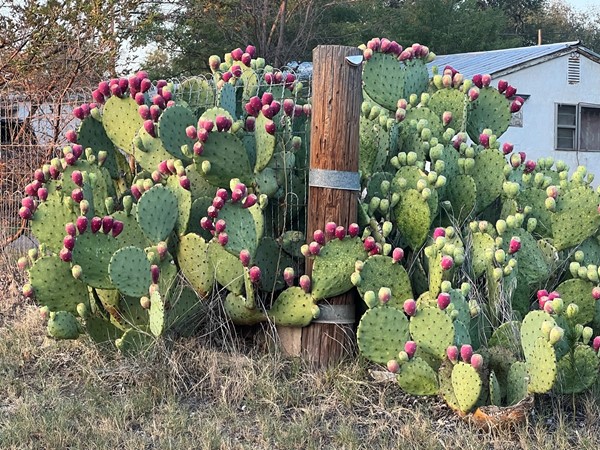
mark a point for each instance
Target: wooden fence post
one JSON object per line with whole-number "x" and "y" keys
{"x": 334, "y": 186}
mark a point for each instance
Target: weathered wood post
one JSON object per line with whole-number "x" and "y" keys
{"x": 334, "y": 185}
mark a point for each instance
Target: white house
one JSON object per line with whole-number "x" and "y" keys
{"x": 561, "y": 86}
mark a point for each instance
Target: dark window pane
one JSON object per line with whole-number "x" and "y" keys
{"x": 566, "y": 138}
{"x": 589, "y": 138}
{"x": 566, "y": 114}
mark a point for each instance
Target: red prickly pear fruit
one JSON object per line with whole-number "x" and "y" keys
{"x": 330, "y": 229}
{"x": 249, "y": 109}
{"x": 510, "y": 91}
{"x": 410, "y": 347}
{"x": 77, "y": 195}
{"x": 275, "y": 107}
{"x": 289, "y": 79}
{"x": 220, "y": 225}
{"x": 245, "y": 257}
{"x": 107, "y": 224}
{"x": 439, "y": 232}
{"x": 596, "y": 293}
{"x": 254, "y": 273}
{"x": 486, "y": 80}
{"x": 212, "y": 212}
{"x": 484, "y": 139}
{"x": 23, "y": 263}
{"x": 54, "y": 173}
{"x": 115, "y": 90}
{"x": 69, "y": 242}
{"x": 554, "y": 294}
{"x": 98, "y": 96}
{"x": 268, "y": 78}
{"x": 71, "y": 136}
{"x": 477, "y": 81}
{"x": 185, "y": 183}
{"x": 223, "y": 238}
{"x": 141, "y": 75}
{"x": 249, "y": 201}
{"x": 384, "y": 295}
{"x": 515, "y": 245}
{"x": 236, "y": 70}
{"x": 149, "y": 127}
{"x": 288, "y": 276}
{"x": 596, "y": 343}
{"x": 28, "y": 202}
{"x": 477, "y": 361}
{"x": 443, "y": 300}
{"x": 221, "y": 122}
{"x": 314, "y": 248}
{"x": 405, "y": 55}
{"x": 340, "y": 232}
{"x": 447, "y": 262}
{"x": 370, "y": 244}
{"x": 542, "y": 301}
{"x": 278, "y": 77}
{"x": 306, "y": 109}
{"x": 77, "y": 178}
{"x": 70, "y": 159}
{"x": 96, "y": 224}
{"x": 251, "y": 50}
{"x": 218, "y": 202}
{"x": 246, "y": 59}
{"x": 385, "y": 45}
{"x": 542, "y": 293}
{"x": 77, "y": 150}
{"x": 30, "y": 189}
{"x": 42, "y": 194}
{"x": 353, "y": 229}
{"x": 376, "y": 250}
{"x": 71, "y": 229}
{"x": 446, "y": 118}
{"x": 82, "y": 224}
{"x": 202, "y": 135}
{"x": 250, "y": 123}
{"x": 256, "y": 103}
{"x": 393, "y": 366}
{"x": 25, "y": 213}
{"x": 159, "y": 101}
{"x": 78, "y": 112}
{"x": 145, "y": 85}
{"x": 104, "y": 88}
{"x": 305, "y": 283}
{"x": 123, "y": 84}
{"x": 237, "y": 54}
{"x": 65, "y": 255}
{"x": 155, "y": 273}
{"x": 222, "y": 193}
{"x": 410, "y": 307}
{"x": 39, "y": 175}
{"x": 206, "y": 224}
{"x": 270, "y": 127}
{"x": 163, "y": 168}
{"x": 466, "y": 352}
{"x": 530, "y": 166}
{"x": 507, "y": 148}
{"x": 397, "y": 254}
{"x": 168, "y": 96}
{"x": 135, "y": 191}
{"x": 267, "y": 111}
{"x": 117, "y": 228}
{"x": 236, "y": 195}
{"x": 367, "y": 54}
{"x": 266, "y": 98}
{"x": 515, "y": 106}
{"x": 134, "y": 83}
{"x": 374, "y": 44}
{"x": 226, "y": 76}
{"x": 144, "y": 112}
{"x": 28, "y": 290}
{"x": 319, "y": 237}
{"x": 161, "y": 84}
{"x": 155, "y": 113}
{"x": 502, "y": 86}
{"x": 473, "y": 94}
{"x": 140, "y": 99}
{"x": 452, "y": 353}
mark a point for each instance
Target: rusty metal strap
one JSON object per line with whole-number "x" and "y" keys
{"x": 334, "y": 179}
{"x": 338, "y": 314}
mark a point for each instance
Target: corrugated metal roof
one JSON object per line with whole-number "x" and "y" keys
{"x": 494, "y": 61}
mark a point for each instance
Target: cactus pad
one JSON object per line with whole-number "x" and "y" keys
{"x": 293, "y": 308}
{"x": 129, "y": 271}
{"x": 577, "y": 371}
{"x": 157, "y": 213}
{"x": 121, "y": 122}
{"x": 171, "y": 129}
{"x": 576, "y": 217}
{"x": 413, "y": 218}
{"x": 416, "y": 377}
{"x": 517, "y": 383}
{"x": 381, "y": 271}
{"x": 192, "y": 256}
{"x": 382, "y": 333}
{"x": 467, "y": 385}
{"x": 432, "y": 330}
{"x": 63, "y": 325}
{"x": 541, "y": 366}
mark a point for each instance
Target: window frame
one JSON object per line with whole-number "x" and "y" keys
{"x": 576, "y": 127}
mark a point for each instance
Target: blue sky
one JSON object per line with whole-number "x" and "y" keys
{"x": 583, "y": 4}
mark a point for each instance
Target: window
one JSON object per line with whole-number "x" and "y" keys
{"x": 578, "y": 127}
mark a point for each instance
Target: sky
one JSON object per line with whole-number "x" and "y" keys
{"x": 583, "y": 4}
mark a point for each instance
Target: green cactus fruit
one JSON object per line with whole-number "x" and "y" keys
{"x": 334, "y": 265}
{"x": 382, "y": 333}
{"x": 467, "y": 386}
{"x": 63, "y": 325}
{"x": 416, "y": 377}
{"x": 293, "y": 308}
{"x": 432, "y": 330}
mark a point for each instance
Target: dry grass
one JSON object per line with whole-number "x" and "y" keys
{"x": 71, "y": 395}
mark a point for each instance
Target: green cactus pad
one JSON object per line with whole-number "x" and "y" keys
{"x": 535, "y": 198}
{"x": 149, "y": 151}
{"x": 490, "y": 110}
{"x": 531, "y": 330}
{"x": 446, "y": 389}
{"x": 577, "y": 371}
{"x": 579, "y": 292}
{"x": 63, "y": 325}
{"x": 49, "y": 219}
{"x": 157, "y": 212}
{"x": 293, "y": 308}
{"x": 382, "y": 333}
{"x": 134, "y": 342}
{"x": 461, "y": 192}
{"x": 517, "y": 383}
{"x": 381, "y": 271}
{"x": 121, "y": 121}
{"x": 541, "y": 366}
{"x": 272, "y": 261}
{"x": 495, "y": 391}
{"x": 413, "y": 218}
{"x": 101, "y": 331}
{"x": 432, "y": 330}
{"x": 265, "y": 143}
{"x": 235, "y": 307}
{"x": 228, "y": 159}
{"x": 197, "y": 92}
{"x": 132, "y": 312}
{"x": 91, "y": 134}
{"x": 132, "y": 233}
{"x": 129, "y": 271}
{"x": 197, "y": 212}
{"x": 171, "y": 129}
{"x": 461, "y": 334}
{"x": 576, "y": 217}
{"x": 451, "y": 100}
{"x": 532, "y": 267}
{"x": 157, "y": 314}
{"x": 55, "y": 287}
{"x": 226, "y": 99}
{"x": 507, "y": 335}
{"x": 416, "y": 377}
{"x": 241, "y": 228}
{"x": 192, "y": 256}
{"x": 467, "y": 385}
{"x": 334, "y": 266}
{"x": 227, "y": 268}
{"x": 184, "y": 203}
{"x": 93, "y": 252}
{"x": 482, "y": 242}
{"x": 489, "y": 176}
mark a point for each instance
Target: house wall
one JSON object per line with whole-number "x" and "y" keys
{"x": 546, "y": 83}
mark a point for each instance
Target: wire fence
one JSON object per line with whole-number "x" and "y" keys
{"x": 32, "y": 132}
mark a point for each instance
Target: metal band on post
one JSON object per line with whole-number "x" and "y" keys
{"x": 337, "y": 314}
{"x": 334, "y": 179}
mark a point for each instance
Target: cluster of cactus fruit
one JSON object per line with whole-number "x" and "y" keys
{"x": 478, "y": 269}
